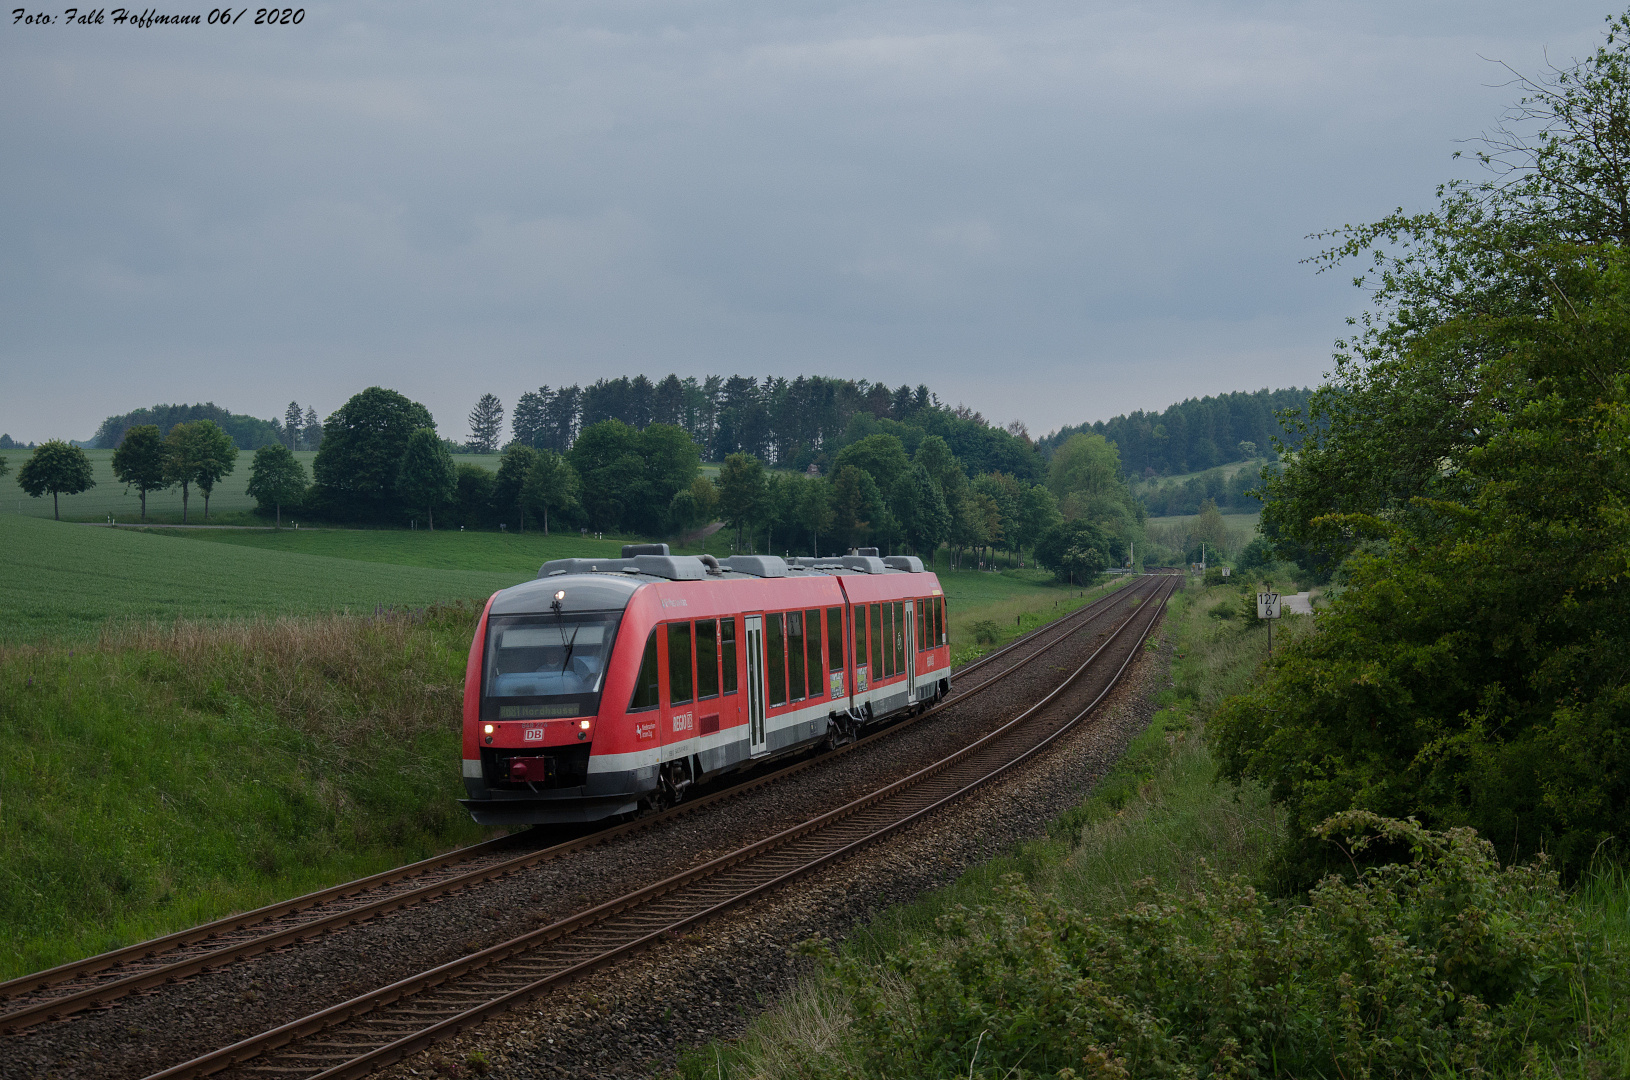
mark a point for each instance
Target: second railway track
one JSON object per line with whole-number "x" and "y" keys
{"x": 71, "y": 988}
{"x": 384, "y": 1025}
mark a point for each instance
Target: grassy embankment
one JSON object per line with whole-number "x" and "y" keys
{"x": 1160, "y": 825}
{"x": 187, "y": 728}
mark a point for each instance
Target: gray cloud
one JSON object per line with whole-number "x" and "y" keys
{"x": 1050, "y": 211}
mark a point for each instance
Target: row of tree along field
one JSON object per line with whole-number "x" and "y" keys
{"x": 381, "y": 462}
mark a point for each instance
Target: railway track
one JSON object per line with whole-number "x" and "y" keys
{"x": 95, "y": 981}
{"x": 355, "y": 1037}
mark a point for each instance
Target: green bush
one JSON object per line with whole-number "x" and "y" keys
{"x": 1442, "y": 963}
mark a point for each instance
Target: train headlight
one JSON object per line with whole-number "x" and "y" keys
{"x": 584, "y": 724}
{"x": 560, "y": 595}
{"x": 487, "y": 730}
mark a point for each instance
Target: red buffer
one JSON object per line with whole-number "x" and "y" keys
{"x": 608, "y": 686}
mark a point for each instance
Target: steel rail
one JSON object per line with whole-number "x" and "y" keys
{"x": 519, "y": 986}
{"x": 120, "y": 985}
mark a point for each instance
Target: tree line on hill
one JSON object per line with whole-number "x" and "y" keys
{"x": 1197, "y": 434}
{"x": 786, "y": 423}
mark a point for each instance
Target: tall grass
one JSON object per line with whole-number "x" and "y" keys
{"x": 172, "y": 774}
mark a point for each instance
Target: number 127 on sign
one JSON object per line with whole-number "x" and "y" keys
{"x": 1267, "y": 605}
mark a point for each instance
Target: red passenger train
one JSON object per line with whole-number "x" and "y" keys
{"x": 608, "y": 686}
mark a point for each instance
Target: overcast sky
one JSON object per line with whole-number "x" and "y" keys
{"x": 1054, "y": 212}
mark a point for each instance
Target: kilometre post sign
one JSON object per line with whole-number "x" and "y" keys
{"x": 1267, "y": 605}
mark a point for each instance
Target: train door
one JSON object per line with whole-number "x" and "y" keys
{"x": 910, "y": 639}
{"x": 757, "y": 741}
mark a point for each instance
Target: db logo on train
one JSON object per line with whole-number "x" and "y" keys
{"x": 534, "y": 734}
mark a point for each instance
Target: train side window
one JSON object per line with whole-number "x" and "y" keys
{"x": 834, "y": 639}
{"x": 899, "y": 636}
{"x": 795, "y": 654}
{"x": 887, "y": 641}
{"x": 727, "y": 652}
{"x": 877, "y": 642}
{"x": 939, "y": 620}
{"x": 681, "y": 676}
{"x": 922, "y": 624}
{"x": 646, "y": 683}
{"x": 707, "y": 659}
{"x": 859, "y": 640}
{"x": 775, "y": 644}
{"x": 812, "y": 653}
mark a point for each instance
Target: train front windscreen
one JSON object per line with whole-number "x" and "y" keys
{"x": 542, "y": 667}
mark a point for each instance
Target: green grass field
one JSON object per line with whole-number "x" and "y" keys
{"x": 67, "y": 580}
{"x": 230, "y": 504}
{"x": 492, "y": 552}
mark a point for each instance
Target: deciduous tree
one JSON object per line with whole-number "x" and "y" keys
{"x": 276, "y": 479}
{"x": 139, "y": 462}
{"x": 215, "y": 455}
{"x": 58, "y": 467}
{"x": 361, "y": 454}
{"x": 183, "y": 457}
{"x": 742, "y": 491}
{"x": 426, "y": 477}
{"x": 513, "y": 467}
{"x": 923, "y": 517}
{"x": 551, "y": 484}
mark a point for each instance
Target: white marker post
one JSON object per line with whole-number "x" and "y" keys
{"x": 1267, "y": 607}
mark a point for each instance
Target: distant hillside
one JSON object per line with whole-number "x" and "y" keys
{"x": 247, "y": 431}
{"x": 1193, "y": 435}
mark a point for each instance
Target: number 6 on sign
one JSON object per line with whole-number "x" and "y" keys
{"x": 1267, "y": 605}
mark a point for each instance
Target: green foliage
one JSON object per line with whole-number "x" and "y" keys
{"x": 361, "y": 454}
{"x": 695, "y": 505}
{"x": 474, "y": 505}
{"x": 426, "y": 477}
{"x": 276, "y": 478}
{"x": 1193, "y": 435}
{"x": 742, "y": 491}
{"x": 882, "y": 457}
{"x": 139, "y": 462}
{"x": 56, "y": 467}
{"x": 1444, "y": 962}
{"x": 860, "y": 515}
{"x": 206, "y": 452}
{"x": 513, "y": 469}
{"x": 1085, "y": 476}
{"x": 1078, "y": 551}
{"x": 551, "y": 484}
{"x": 486, "y": 423}
{"x": 629, "y": 478}
{"x": 248, "y": 432}
{"x": 924, "y": 520}
{"x": 1469, "y": 463}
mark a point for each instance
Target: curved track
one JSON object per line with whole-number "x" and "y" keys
{"x": 62, "y": 991}
{"x": 357, "y": 1036}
